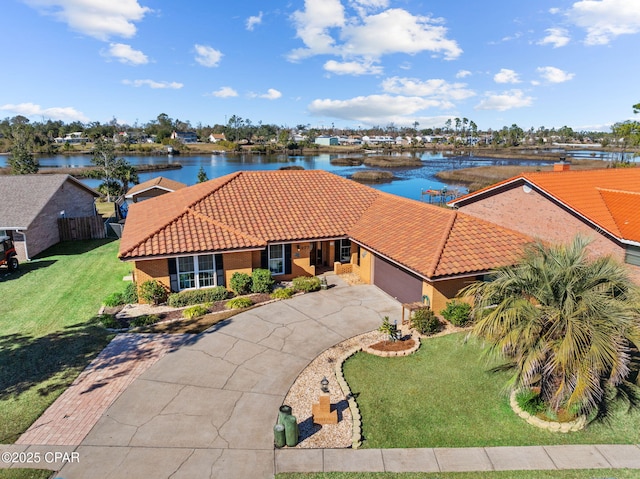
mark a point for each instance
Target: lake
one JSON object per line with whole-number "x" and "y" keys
{"x": 409, "y": 182}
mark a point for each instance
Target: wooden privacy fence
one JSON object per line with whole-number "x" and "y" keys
{"x": 82, "y": 228}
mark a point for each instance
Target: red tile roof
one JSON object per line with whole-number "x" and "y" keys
{"x": 608, "y": 198}
{"x": 251, "y": 209}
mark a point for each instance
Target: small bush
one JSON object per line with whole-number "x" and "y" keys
{"x": 145, "y": 320}
{"x": 425, "y": 321}
{"x": 282, "y": 293}
{"x": 306, "y": 283}
{"x": 114, "y": 299}
{"x": 195, "y": 311}
{"x": 109, "y": 321}
{"x": 238, "y": 303}
{"x": 530, "y": 401}
{"x": 261, "y": 281}
{"x": 130, "y": 295}
{"x": 153, "y": 291}
{"x": 197, "y": 296}
{"x": 240, "y": 283}
{"x": 457, "y": 313}
{"x": 390, "y": 329}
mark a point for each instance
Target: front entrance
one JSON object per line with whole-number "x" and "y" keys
{"x": 318, "y": 256}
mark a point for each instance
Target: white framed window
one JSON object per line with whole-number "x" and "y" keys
{"x": 196, "y": 271}
{"x": 276, "y": 259}
{"x": 345, "y": 251}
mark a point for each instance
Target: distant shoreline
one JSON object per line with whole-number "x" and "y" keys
{"x": 82, "y": 172}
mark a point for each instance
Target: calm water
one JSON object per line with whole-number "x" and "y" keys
{"x": 409, "y": 182}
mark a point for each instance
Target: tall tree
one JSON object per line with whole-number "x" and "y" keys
{"x": 565, "y": 323}
{"x": 202, "y": 175}
{"x": 21, "y": 159}
{"x": 112, "y": 169}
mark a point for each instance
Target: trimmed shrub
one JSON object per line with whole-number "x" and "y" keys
{"x": 130, "y": 295}
{"x": 109, "y": 321}
{"x": 530, "y": 401}
{"x": 306, "y": 283}
{"x": 261, "y": 281}
{"x": 114, "y": 299}
{"x": 145, "y": 320}
{"x": 282, "y": 293}
{"x": 197, "y": 296}
{"x": 240, "y": 283}
{"x": 457, "y": 313}
{"x": 195, "y": 311}
{"x": 238, "y": 303}
{"x": 425, "y": 321}
{"x": 153, "y": 291}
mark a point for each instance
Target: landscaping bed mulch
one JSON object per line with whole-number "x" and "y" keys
{"x": 125, "y": 315}
{"x": 400, "y": 345}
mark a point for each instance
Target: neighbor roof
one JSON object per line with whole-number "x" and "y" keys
{"x": 608, "y": 198}
{"x": 160, "y": 182}
{"x": 22, "y": 197}
{"x": 252, "y": 209}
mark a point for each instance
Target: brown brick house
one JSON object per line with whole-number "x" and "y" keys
{"x": 305, "y": 222}
{"x": 30, "y": 206}
{"x": 603, "y": 205}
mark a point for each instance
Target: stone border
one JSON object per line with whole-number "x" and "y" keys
{"x": 563, "y": 427}
{"x": 388, "y": 354}
{"x": 356, "y": 419}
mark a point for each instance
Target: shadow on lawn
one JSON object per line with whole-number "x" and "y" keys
{"x": 25, "y": 268}
{"x": 26, "y": 361}
{"x": 68, "y": 248}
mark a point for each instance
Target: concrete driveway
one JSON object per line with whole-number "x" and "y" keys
{"x": 208, "y": 408}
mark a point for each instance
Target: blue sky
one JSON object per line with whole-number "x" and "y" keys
{"x": 347, "y": 63}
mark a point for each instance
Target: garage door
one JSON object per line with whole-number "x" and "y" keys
{"x": 397, "y": 282}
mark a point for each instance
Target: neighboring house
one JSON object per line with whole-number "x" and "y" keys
{"x": 152, "y": 188}
{"x": 185, "y": 136}
{"x": 603, "y": 205}
{"x": 327, "y": 141}
{"x": 297, "y": 223}
{"x": 30, "y": 206}
{"x": 216, "y": 137}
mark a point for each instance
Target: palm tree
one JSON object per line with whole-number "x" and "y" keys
{"x": 566, "y": 323}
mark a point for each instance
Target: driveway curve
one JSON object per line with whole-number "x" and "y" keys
{"x": 207, "y": 409}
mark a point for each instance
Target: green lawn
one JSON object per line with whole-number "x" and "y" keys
{"x": 567, "y": 474}
{"x": 445, "y": 396}
{"x": 46, "y": 333}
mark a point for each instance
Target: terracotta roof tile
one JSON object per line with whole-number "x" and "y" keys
{"x": 250, "y": 209}
{"x": 581, "y": 191}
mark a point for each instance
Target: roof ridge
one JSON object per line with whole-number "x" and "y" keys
{"x": 611, "y": 213}
{"x": 224, "y": 226}
{"x": 615, "y": 190}
{"x": 445, "y": 238}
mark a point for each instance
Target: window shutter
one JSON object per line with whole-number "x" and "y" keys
{"x": 219, "y": 270}
{"x": 336, "y": 250}
{"x": 173, "y": 274}
{"x": 287, "y": 258}
{"x": 264, "y": 258}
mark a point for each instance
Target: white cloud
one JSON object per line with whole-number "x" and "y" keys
{"x": 554, "y": 75}
{"x": 506, "y": 76}
{"x": 272, "y": 94}
{"x": 554, "y": 11}
{"x": 373, "y": 109}
{"x": 97, "y": 18}
{"x": 253, "y": 21}
{"x": 605, "y": 19}
{"x": 326, "y": 29}
{"x": 154, "y": 84}
{"x": 207, "y": 56}
{"x": 125, "y": 54}
{"x": 225, "y": 92}
{"x": 352, "y": 68}
{"x": 66, "y": 113}
{"x": 463, "y": 74}
{"x": 440, "y": 90}
{"x": 557, "y": 37}
{"x": 504, "y": 101}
